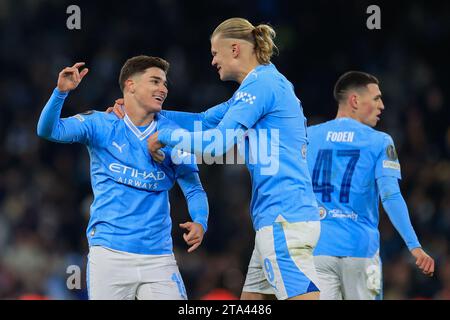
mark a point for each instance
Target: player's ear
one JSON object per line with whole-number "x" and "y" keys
{"x": 129, "y": 85}
{"x": 235, "y": 49}
{"x": 353, "y": 101}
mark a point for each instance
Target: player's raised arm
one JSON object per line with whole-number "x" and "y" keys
{"x": 198, "y": 209}
{"x": 50, "y": 126}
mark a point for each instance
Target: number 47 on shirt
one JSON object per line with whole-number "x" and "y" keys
{"x": 323, "y": 166}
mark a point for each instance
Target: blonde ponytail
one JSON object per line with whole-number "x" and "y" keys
{"x": 260, "y": 36}
{"x": 264, "y": 44}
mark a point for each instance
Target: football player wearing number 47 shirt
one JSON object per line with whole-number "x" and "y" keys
{"x": 352, "y": 166}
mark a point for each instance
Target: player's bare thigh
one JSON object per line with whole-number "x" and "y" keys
{"x": 260, "y": 296}
{"x": 257, "y": 296}
{"x": 307, "y": 296}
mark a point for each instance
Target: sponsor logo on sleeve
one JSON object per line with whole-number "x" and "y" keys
{"x": 391, "y": 165}
{"x": 79, "y": 117}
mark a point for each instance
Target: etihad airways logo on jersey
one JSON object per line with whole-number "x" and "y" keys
{"x": 135, "y": 178}
{"x": 135, "y": 173}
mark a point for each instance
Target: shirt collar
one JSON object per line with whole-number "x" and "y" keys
{"x": 140, "y": 135}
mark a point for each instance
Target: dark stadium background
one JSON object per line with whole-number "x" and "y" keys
{"x": 45, "y": 189}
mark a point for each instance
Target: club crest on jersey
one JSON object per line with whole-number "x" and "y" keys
{"x": 391, "y": 152}
{"x": 246, "y": 97}
{"x": 322, "y": 213}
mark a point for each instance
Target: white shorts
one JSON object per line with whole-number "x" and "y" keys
{"x": 282, "y": 263}
{"x": 118, "y": 275}
{"x": 348, "y": 278}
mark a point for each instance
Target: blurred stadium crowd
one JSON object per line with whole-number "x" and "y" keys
{"x": 45, "y": 189}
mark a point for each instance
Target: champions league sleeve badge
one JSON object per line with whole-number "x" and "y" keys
{"x": 391, "y": 152}
{"x": 392, "y": 163}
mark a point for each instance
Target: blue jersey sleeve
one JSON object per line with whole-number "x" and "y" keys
{"x": 213, "y": 116}
{"x": 252, "y": 101}
{"x": 387, "y": 163}
{"x": 395, "y": 207}
{"x": 198, "y": 121}
{"x": 68, "y": 130}
{"x": 196, "y": 198}
{"x": 183, "y": 162}
{"x": 224, "y": 136}
{"x": 185, "y": 120}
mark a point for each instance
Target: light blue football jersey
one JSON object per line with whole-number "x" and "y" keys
{"x": 345, "y": 157}
{"x": 265, "y": 103}
{"x": 131, "y": 210}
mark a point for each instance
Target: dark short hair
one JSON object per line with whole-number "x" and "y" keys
{"x": 139, "y": 64}
{"x": 352, "y": 80}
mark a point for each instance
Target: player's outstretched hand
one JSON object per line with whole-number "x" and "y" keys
{"x": 194, "y": 237}
{"x": 154, "y": 147}
{"x": 117, "y": 108}
{"x": 423, "y": 261}
{"x": 69, "y": 78}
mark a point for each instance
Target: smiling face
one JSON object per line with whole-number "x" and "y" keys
{"x": 149, "y": 88}
{"x": 368, "y": 105}
{"x": 223, "y": 59}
